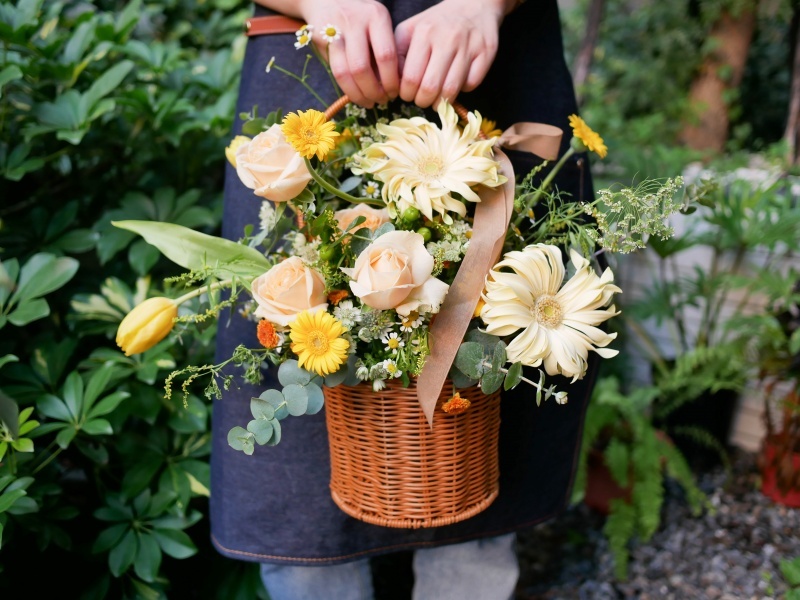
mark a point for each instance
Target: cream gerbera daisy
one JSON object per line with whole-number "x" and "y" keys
{"x": 559, "y": 324}
{"x": 331, "y": 33}
{"x": 316, "y": 339}
{"x": 422, "y": 166}
{"x": 309, "y": 133}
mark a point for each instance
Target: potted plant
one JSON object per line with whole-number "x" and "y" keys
{"x": 624, "y": 462}
{"x": 771, "y": 339}
{"x": 702, "y": 281}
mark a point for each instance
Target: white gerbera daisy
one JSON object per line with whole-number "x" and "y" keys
{"x": 331, "y": 33}
{"x": 393, "y": 342}
{"x": 558, "y": 323}
{"x": 422, "y": 166}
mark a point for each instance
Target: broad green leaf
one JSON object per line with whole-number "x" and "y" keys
{"x": 8, "y": 358}
{"x": 53, "y": 407}
{"x": 43, "y": 273}
{"x": 98, "y": 427}
{"x": 791, "y": 571}
{"x": 65, "y": 437}
{"x": 72, "y": 394}
{"x": 175, "y": 543}
{"x": 108, "y": 404}
{"x": 97, "y": 384}
{"x": 109, "y": 538}
{"x": 122, "y": 555}
{"x": 8, "y": 74}
{"x": 491, "y": 382}
{"x": 148, "y": 559}
{"x": 29, "y": 311}
{"x": 105, "y": 84}
{"x": 513, "y": 377}
{"x": 9, "y": 414}
{"x": 469, "y": 359}
{"x": 193, "y": 250}
{"x": 9, "y": 498}
{"x": 22, "y": 445}
{"x": 24, "y": 506}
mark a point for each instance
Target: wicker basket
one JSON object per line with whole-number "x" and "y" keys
{"x": 389, "y": 468}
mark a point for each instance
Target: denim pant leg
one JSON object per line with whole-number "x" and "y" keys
{"x": 348, "y": 581}
{"x": 484, "y": 569}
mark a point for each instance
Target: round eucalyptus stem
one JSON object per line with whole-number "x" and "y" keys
{"x": 339, "y": 193}
{"x": 543, "y": 187}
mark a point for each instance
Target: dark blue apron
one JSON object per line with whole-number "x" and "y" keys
{"x": 275, "y": 506}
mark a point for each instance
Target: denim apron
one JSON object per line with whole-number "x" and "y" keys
{"x": 275, "y": 506}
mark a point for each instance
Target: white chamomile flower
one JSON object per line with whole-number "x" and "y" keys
{"x": 269, "y": 64}
{"x": 331, "y": 33}
{"x": 303, "y": 38}
{"x": 371, "y": 190}
{"x": 303, "y": 30}
{"x": 391, "y": 368}
{"x": 393, "y": 342}
{"x": 362, "y": 371}
{"x": 347, "y": 314}
{"x": 378, "y": 385}
{"x": 410, "y": 322}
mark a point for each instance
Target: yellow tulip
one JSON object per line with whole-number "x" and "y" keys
{"x": 230, "y": 151}
{"x": 146, "y": 325}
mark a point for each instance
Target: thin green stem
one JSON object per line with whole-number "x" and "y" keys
{"x": 326, "y": 65}
{"x": 302, "y": 82}
{"x": 339, "y": 193}
{"x": 523, "y": 214}
{"x": 48, "y": 461}
{"x": 204, "y": 290}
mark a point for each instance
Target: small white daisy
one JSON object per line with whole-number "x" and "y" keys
{"x": 393, "y": 342}
{"x": 331, "y": 33}
{"x": 371, "y": 190}
{"x": 303, "y": 40}
{"x": 303, "y": 30}
{"x": 391, "y": 368}
{"x": 410, "y": 322}
{"x": 347, "y": 314}
{"x": 269, "y": 64}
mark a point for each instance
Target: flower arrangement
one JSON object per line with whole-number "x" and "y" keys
{"x": 365, "y": 224}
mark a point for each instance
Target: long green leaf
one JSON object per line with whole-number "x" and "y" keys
{"x": 193, "y": 250}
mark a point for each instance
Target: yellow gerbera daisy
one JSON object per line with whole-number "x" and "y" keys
{"x": 587, "y": 137}
{"x": 316, "y": 339}
{"x": 489, "y": 128}
{"x": 309, "y": 133}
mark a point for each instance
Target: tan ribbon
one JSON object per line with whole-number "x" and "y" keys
{"x": 492, "y": 215}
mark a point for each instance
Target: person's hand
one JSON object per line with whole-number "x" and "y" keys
{"x": 364, "y": 59}
{"x": 447, "y": 48}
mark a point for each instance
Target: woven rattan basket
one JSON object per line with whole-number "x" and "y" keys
{"x": 388, "y": 467}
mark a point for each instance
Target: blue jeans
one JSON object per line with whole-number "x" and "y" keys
{"x": 484, "y": 569}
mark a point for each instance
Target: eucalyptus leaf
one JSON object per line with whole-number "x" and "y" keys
{"x": 469, "y": 359}
{"x": 513, "y": 377}
{"x": 237, "y": 437}
{"x": 276, "y": 433}
{"x": 278, "y": 402}
{"x": 261, "y": 429}
{"x": 291, "y": 373}
{"x": 261, "y": 409}
{"x": 385, "y": 228}
{"x": 336, "y": 377}
{"x": 316, "y": 399}
{"x": 296, "y": 399}
{"x": 492, "y": 381}
{"x": 460, "y": 380}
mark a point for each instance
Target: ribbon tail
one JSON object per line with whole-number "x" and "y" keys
{"x": 447, "y": 331}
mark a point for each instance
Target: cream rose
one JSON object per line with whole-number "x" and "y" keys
{"x": 374, "y": 217}
{"x": 394, "y": 271}
{"x": 270, "y": 167}
{"x": 288, "y": 288}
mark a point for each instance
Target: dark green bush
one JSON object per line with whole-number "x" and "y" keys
{"x": 107, "y": 110}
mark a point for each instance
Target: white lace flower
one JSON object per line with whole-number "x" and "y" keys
{"x": 422, "y": 166}
{"x": 558, "y": 323}
{"x": 393, "y": 342}
{"x": 331, "y": 33}
{"x": 347, "y": 314}
{"x": 267, "y": 216}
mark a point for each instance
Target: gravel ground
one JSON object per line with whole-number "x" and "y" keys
{"x": 730, "y": 553}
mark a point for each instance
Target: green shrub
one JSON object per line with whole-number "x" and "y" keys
{"x": 108, "y": 110}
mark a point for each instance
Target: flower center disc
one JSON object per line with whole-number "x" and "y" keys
{"x": 430, "y": 167}
{"x": 318, "y": 343}
{"x": 547, "y": 311}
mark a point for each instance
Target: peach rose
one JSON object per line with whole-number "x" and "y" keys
{"x": 288, "y": 288}
{"x": 270, "y": 167}
{"x": 394, "y": 271}
{"x": 374, "y": 217}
